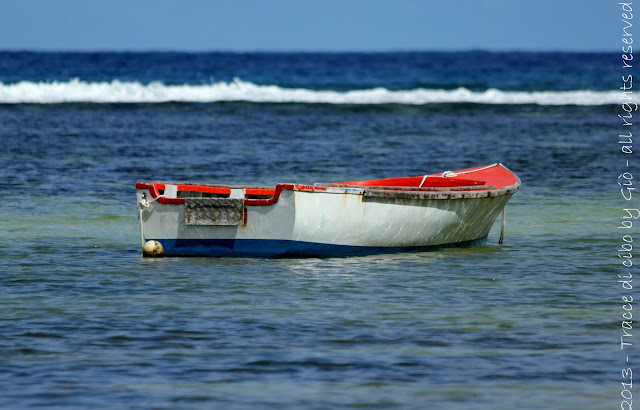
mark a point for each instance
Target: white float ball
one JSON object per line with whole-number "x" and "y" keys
{"x": 153, "y": 249}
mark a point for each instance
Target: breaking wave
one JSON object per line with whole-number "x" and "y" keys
{"x": 237, "y": 90}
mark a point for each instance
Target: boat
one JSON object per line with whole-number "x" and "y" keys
{"x": 425, "y": 212}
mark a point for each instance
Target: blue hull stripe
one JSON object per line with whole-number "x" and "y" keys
{"x": 282, "y": 248}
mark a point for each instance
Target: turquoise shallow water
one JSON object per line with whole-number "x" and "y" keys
{"x": 85, "y": 322}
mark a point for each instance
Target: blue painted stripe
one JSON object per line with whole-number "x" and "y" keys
{"x": 282, "y": 248}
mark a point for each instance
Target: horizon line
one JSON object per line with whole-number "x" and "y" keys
{"x": 300, "y": 51}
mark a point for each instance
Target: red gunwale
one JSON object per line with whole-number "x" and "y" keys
{"x": 155, "y": 187}
{"x": 497, "y": 176}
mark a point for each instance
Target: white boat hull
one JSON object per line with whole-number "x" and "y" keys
{"x": 332, "y": 221}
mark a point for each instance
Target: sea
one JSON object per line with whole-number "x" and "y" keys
{"x": 537, "y": 323}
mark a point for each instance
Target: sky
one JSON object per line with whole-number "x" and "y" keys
{"x": 310, "y": 25}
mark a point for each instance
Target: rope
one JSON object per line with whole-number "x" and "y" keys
{"x": 144, "y": 203}
{"x": 502, "y": 227}
{"x": 453, "y": 174}
{"x": 140, "y": 222}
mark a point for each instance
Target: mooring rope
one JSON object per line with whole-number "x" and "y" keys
{"x": 144, "y": 203}
{"x": 453, "y": 174}
{"x": 140, "y": 222}
{"x": 502, "y": 227}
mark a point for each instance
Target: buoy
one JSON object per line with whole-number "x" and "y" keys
{"x": 152, "y": 249}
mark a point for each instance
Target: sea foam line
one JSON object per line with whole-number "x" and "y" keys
{"x": 156, "y": 92}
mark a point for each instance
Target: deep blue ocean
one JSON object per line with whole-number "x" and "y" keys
{"x": 85, "y": 322}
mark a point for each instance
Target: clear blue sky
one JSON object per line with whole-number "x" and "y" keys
{"x": 310, "y": 25}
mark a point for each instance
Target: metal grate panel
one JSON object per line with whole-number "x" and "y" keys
{"x": 213, "y": 211}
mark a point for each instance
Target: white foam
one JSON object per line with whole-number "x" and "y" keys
{"x": 134, "y": 92}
